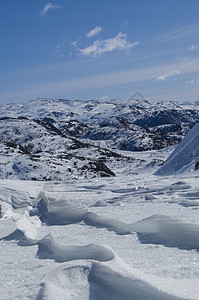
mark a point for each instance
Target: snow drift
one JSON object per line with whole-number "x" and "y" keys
{"x": 50, "y": 248}
{"x": 57, "y": 212}
{"x": 184, "y": 157}
{"x": 156, "y": 229}
{"x": 164, "y": 230}
{"x": 93, "y": 280}
{"x": 86, "y": 251}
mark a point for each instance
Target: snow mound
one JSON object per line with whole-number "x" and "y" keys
{"x": 58, "y": 212}
{"x": 157, "y": 229}
{"x": 184, "y": 157}
{"x": 93, "y": 280}
{"x": 49, "y": 248}
{"x": 111, "y": 224}
{"x": 164, "y": 230}
{"x": 108, "y": 284}
{"x": 21, "y": 238}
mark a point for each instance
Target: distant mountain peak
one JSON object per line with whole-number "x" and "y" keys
{"x": 137, "y": 96}
{"x": 137, "y": 99}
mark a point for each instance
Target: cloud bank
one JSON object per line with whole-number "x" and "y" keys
{"x": 119, "y": 42}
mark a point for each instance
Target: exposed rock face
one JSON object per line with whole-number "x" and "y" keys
{"x": 197, "y": 166}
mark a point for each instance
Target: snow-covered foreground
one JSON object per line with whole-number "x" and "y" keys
{"x": 126, "y": 237}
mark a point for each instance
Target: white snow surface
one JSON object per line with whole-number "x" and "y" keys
{"x": 133, "y": 236}
{"x": 185, "y": 155}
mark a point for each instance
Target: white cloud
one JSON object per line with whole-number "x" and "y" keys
{"x": 75, "y": 44}
{"x": 168, "y": 74}
{"x": 47, "y": 7}
{"x": 94, "y": 31}
{"x": 193, "y": 47}
{"x": 119, "y": 42}
{"x": 190, "y": 81}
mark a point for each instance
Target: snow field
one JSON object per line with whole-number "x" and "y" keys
{"x": 157, "y": 257}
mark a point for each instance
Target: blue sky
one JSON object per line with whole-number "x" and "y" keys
{"x": 91, "y": 49}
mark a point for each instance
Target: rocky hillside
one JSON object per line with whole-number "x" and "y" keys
{"x": 50, "y": 139}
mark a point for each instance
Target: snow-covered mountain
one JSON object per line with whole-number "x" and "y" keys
{"x": 72, "y": 139}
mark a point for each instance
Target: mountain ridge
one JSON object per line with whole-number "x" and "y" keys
{"x": 76, "y": 138}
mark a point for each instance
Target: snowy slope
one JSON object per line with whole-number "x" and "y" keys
{"x": 184, "y": 157}
{"x": 30, "y": 151}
